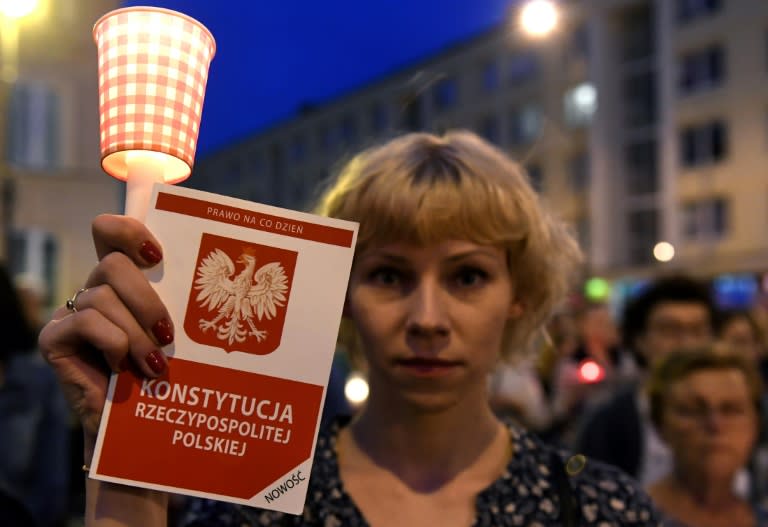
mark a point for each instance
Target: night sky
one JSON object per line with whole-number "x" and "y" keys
{"x": 274, "y": 55}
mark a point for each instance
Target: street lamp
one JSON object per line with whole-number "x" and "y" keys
{"x": 539, "y": 18}
{"x": 11, "y": 12}
{"x": 542, "y": 20}
{"x": 17, "y": 8}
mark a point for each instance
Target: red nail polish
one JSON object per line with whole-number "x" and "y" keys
{"x": 163, "y": 331}
{"x": 150, "y": 252}
{"x": 156, "y": 362}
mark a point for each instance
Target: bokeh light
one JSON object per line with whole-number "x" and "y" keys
{"x": 538, "y": 18}
{"x": 597, "y": 289}
{"x": 356, "y": 389}
{"x": 664, "y": 251}
{"x": 17, "y": 8}
{"x": 590, "y": 372}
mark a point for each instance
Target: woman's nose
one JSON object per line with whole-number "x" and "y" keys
{"x": 714, "y": 420}
{"x": 427, "y": 309}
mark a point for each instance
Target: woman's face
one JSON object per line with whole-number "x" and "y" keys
{"x": 740, "y": 336}
{"x": 710, "y": 422}
{"x": 431, "y": 319}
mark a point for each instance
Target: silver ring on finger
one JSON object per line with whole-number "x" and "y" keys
{"x": 71, "y": 303}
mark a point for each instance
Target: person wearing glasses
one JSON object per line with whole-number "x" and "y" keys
{"x": 705, "y": 404}
{"x": 671, "y": 313}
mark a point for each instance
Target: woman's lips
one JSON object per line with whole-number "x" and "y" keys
{"x": 428, "y": 367}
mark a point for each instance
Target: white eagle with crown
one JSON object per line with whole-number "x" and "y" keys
{"x": 239, "y": 300}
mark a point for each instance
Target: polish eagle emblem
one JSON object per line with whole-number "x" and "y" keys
{"x": 239, "y": 300}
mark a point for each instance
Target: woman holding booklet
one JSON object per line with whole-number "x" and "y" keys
{"x": 457, "y": 266}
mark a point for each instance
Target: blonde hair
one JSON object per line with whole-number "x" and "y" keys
{"x": 421, "y": 188}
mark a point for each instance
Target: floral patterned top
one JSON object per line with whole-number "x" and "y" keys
{"x": 525, "y": 495}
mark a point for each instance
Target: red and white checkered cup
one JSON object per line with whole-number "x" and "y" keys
{"x": 153, "y": 69}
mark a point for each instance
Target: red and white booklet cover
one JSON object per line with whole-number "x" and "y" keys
{"x": 256, "y": 295}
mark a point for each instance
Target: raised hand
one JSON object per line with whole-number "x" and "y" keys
{"x": 115, "y": 322}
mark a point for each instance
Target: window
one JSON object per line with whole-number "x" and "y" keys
{"x": 277, "y": 169}
{"x": 578, "y": 171}
{"x": 34, "y": 252}
{"x": 580, "y": 103}
{"x": 232, "y": 174}
{"x": 411, "y": 115}
{"x": 688, "y": 10}
{"x": 525, "y": 124}
{"x": 703, "y": 144}
{"x": 296, "y": 198}
{"x": 640, "y": 99}
{"x": 349, "y": 129}
{"x": 490, "y": 128}
{"x": 33, "y": 126}
{"x": 706, "y": 220}
{"x": 256, "y": 185}
{"x": 640, "y": 158}
{"x": 445, "y": 94}
{"x": 642, "y": 235}
{"x": 298, "y": 148}
{"x": 490, "y": 76}
{"x": 637, "y": 33}
{"x": 522, "y": 67}
{"x": 330, "y": 137}
{"x": 255, "y": 163}
{"x": 701, "y": 70}
{"x": 379, "y": 117}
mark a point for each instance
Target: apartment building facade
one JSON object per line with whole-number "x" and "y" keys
{"x": 639, "y": 121}
{"x": 52, "y": 180}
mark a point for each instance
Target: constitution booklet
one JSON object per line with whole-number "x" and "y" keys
{"x": 256, "y": 295}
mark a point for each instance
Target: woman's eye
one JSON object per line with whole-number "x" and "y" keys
{"x": 470, "y": 276}
{"x": 733, "y": 409}
{"x": 385, "y": 276}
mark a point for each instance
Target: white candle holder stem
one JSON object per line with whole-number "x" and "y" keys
{"x": 144, "y": 170}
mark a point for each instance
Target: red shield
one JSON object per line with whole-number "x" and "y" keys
{"x": 239, "y": 295}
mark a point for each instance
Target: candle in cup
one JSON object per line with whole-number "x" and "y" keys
{"x": 153, "y": 69}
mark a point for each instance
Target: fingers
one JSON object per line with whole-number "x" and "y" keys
{"x": 113, "y": 233}
{"x": 121, "y": 292}
{"x": 139, "y": 349}
{"x": 83, "y": 375}
{"x": 66, "y": 336}
{"x": 119, "y": 319}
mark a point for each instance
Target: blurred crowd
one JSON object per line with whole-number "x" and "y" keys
{"x": 670, "y": 388}
{"x": 36, "y": 426}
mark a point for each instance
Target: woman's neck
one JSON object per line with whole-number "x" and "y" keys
{"x": 705, "y": 493}
{"x": 426, "y": 449}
